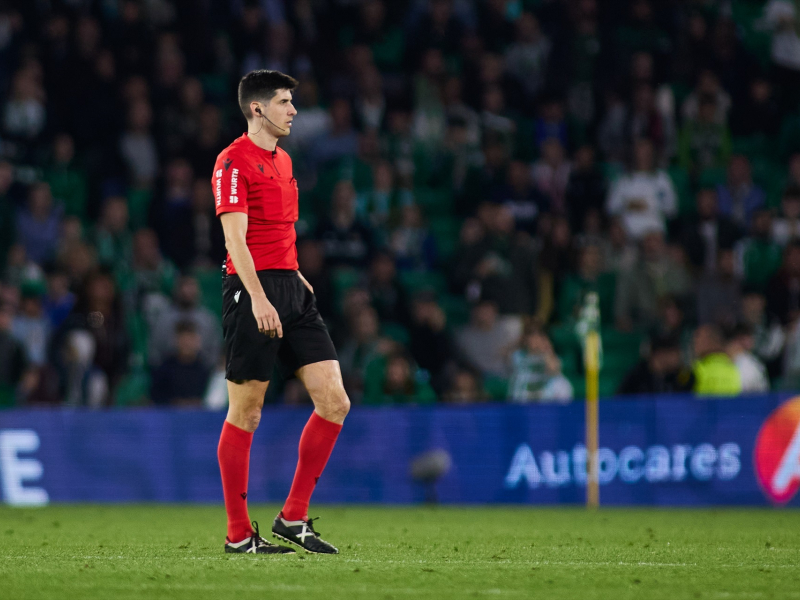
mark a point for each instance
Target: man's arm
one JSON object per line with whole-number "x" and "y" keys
{"x": 234, "y": 225}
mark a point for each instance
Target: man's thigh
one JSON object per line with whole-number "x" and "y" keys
{"x": 249, "y": 354}
{"x": 306, "y": 340}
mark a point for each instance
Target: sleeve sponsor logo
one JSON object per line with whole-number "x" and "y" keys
{"x": 777, "y": 453}
{"x": 218, "y": 187}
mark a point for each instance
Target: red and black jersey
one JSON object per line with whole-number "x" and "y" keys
{"x": 258, "y": 182}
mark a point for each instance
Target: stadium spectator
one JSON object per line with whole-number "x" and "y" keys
{"x": 708, "y": 85}
{"x": 59, "y": 300}
{"x": 138, "y": 147}
{"x": 13, "y": 361}
{"x": 112, "y": 236}
{"x": 758, "y": 257}
{"x": 149, "y": 283}
{"x": 588, "y": 278}
{"x": 759, "y": 113}
{"x": 397, "y": 383}
{"x": 660, "y": 372}
{"x": 655, "y": 276}
{"x": 171, "y": 212}
{"x": 25, "y": 111}
{"x": 783, "y": 289}
{"x": 586, "y": 188}
{"x": 202, "y": 239}
{"x": 719, "y": 293}
{"x": 411, "y": 242}
{"x": 551, "y": 174}
{"x": 91, "y": 348}
{"x": 519, "y": 195}
{"x": 644, "y": 198}
{"x": 387, "y": 295}
{"x": 713, "y": 371}
{"x": 786, "y": 226}
{"x": 363, "y": 344}
{"x": 185, "y": 308}
{"x": 704, "y": 233}
{"x": 499, "y": 265}
{"x": 780, "y": 17}
{"x": 66, "y": 178}
{"x": 527, "y": 58}
{"x": 430, "y": 341}
{"x": 465, "y": 388}
{"x": 346, "y": 240}
{"x": 752, "y": 372}
{"x": 705, "y": 143}
{"x": 536, "y": 371}
{"x": 311, "y": 260}
{"x": 769, "y": 336}
{"x": 739, "y": 197}
{"x": 38, "y": 226}
{"x": 30, "y": 327}
{"x": 181, "y": 379}
{"x": 486, "y": 342}
{"x": 341, "y": 141}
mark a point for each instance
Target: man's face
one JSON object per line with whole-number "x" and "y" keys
{"x": 188, "y": 344}
{"x": 281, "y": 112}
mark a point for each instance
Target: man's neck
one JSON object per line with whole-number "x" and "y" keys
{"x": 263, "y": 140}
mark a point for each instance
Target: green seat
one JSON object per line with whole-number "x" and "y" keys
{"x": 496, "y": 387}
{"x": 713, "y": 177}
{"x": 396, "y": 332}
{"x": 564, "y": 338}
{"x": 138, "y": 207}
{"x": 417, "y": 281}
{"x": 434, "y": 201}
{"x": 771, "y": 175}
{"x": 456, "y": 308}
{"x": 683, "y": 189}
{"x": 790, "y": 135}
{"x": 578, "y": 386}
{"x": 753, "y": 147}
{"x": 138, "y": 333}
{"x": 614, "y": 339}
{"x": 343, "y": 280}
{"x": 134, "y": 389}
{"x": 445, "y": 230}
{"x": 611, "y": 171}
{"x": 755, "y": 39}
{"x": 210, "y": 282}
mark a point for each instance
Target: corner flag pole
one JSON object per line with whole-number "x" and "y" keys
{"x": 592, "y": 363}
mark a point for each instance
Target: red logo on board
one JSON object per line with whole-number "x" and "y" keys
{"x": 777, "y": 453}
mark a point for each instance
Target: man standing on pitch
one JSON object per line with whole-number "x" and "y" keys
{"x": 269, "y": 311}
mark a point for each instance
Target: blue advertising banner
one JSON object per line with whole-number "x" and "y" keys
{"x": 669, "y": 451}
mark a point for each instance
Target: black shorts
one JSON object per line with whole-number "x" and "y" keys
{"x": 250, "y": 354}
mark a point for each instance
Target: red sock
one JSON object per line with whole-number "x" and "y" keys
{"x": 234, "y": 465}
{"x": 316, "y": 444}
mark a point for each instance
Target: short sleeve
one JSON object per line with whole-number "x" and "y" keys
{"x": 229, "y": 185}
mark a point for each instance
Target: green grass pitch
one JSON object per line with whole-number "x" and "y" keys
{"x": 148, "y": 552}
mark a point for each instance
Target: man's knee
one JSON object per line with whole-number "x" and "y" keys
{"x": 245, "y": 402}
{"x": 334, "y": 404}
{"x": 251, "y": 418}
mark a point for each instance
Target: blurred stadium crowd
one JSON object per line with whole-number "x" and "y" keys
{"x": 469, "y": 172}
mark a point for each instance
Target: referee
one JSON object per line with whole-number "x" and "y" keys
{"x": 270, "y": 312}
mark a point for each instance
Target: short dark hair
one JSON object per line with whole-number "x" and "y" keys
{"x": 262, "y": 85}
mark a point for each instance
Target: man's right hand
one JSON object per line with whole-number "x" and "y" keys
{"x": 266, "y": 316}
